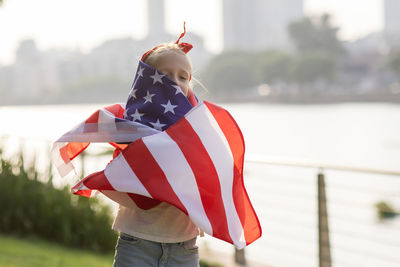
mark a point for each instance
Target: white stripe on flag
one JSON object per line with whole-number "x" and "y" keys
{"x": 80, "y": 128}
{"x": 219, "y": 151}
{"x": 182, "y": 180}
{"x": 69, "y": 136}
{"x": 122, "y": 178}
{"x": 56, "y": 155}
{"x": 106, "y": 121}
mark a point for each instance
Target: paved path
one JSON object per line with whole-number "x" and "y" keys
{"x": 225, "y": 260}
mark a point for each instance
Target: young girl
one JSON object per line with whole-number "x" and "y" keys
{"x": 169, "y": 149}
{"x": 162, "y": 235}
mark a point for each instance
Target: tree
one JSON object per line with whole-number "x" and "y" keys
{"x": 309, "y": 67}
{"x": 273, "y": 66}
{"x": 230, "y": 71}
{"x": 316, "y": 35}
{"x": 319, "y": 49}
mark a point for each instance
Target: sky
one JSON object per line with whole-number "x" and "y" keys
{"x": 77, "y": 24}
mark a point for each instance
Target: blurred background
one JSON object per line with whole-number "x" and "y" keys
{"x": 275, "y": 51}
{"x": 314, "y": 86}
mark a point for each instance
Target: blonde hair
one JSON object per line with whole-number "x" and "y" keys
{"x": 174, "y": 47}
{"x": 162, "y": 48}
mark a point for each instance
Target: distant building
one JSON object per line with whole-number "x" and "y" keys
{"x": 392, "y": 22}
{"x": 104, "y": 73}
{"x": 259, "y": 24}
{"x": 157, "y": 34}
{"x": 27, "y": 71}
{"x": 36, "y": 72}
{"x": 156, "y": 20}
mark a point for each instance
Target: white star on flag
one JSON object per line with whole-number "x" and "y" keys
{"x": 157, "y": 125}
{"x": 178, "y": 89}
{"x": 132, "y": 93}
{"x": 140, "y": 72}
{"x": 169, "y": 107}
{"x": 137, "y": 116}
{"x": 157, "y": 77}
{"x": 148, "y": 97}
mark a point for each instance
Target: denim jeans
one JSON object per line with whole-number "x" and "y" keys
{"x": 133, "y": 251}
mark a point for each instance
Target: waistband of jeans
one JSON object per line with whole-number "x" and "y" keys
{"x": 178, "y": 243}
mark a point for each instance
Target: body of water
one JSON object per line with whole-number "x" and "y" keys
{"x": 362, "y": 134}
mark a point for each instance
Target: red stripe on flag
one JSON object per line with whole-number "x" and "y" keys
{"x": 71, "y": 150}
{"x": 97, "y": 181}
{"x": 145, "y": 203}
{"x": 150, "y": 174}
{"x": 116, "y": 109}
{"x": 91, "y": 122}
{"x": 94, "y": 118}
{"x": 82, "y": 192}
{"x": 247, "y": 215}
{"x": 206, "y": 176}
{"x": 192, "y": 98}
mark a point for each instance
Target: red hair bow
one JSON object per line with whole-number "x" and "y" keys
{"x": 186, "y": 47}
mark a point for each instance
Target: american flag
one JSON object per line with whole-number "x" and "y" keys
{"x": 155, "y": 100}
{"x": 154, "y": 103}
{"x": 196, "y": 164}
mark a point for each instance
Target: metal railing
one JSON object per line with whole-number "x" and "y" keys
{"x": 324, "y": 234}
{"x": 323, "y": 244}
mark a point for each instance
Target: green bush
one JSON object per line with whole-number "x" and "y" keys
{"x": 31, "y": 207}
{"x": 204, "y": 263}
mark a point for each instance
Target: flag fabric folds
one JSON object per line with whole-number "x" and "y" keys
{"x": 154, "y": 103}
{"x": 168, "y": 148}
{"x": 195, "y": 165}
{"x": 104, "y": 125}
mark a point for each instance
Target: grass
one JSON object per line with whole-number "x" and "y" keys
{"x": 31, "y": 252}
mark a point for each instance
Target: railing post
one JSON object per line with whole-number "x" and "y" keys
{"x": 240, "y": 257}
{"x": 324, "y": 248}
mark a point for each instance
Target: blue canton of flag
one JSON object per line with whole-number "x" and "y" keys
{"x": 155, "y": 100}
